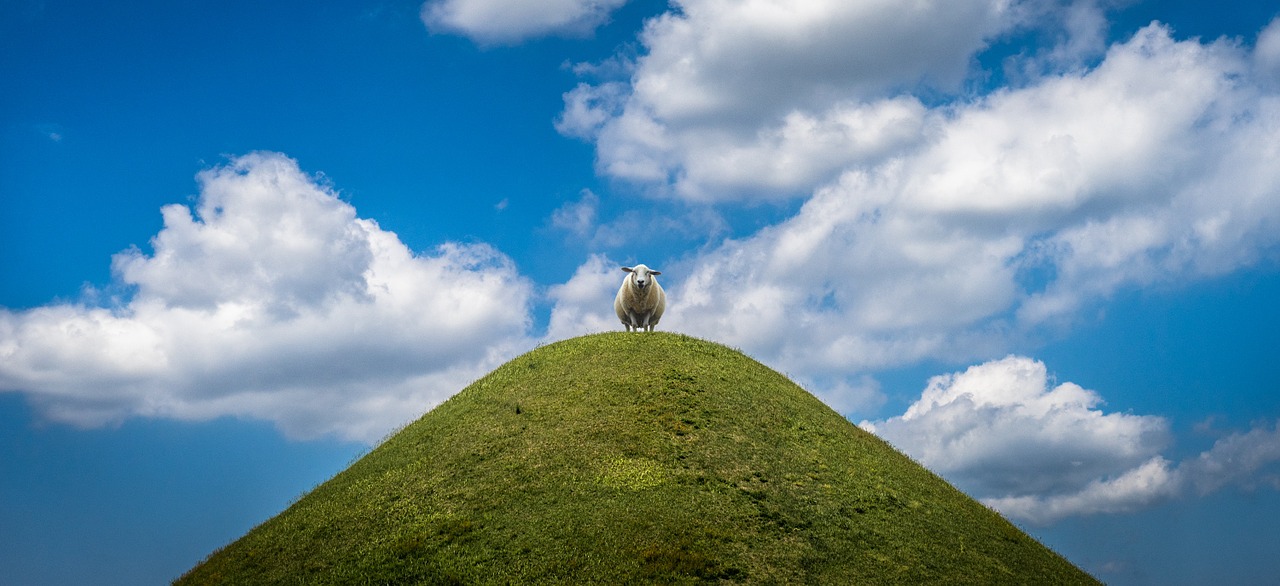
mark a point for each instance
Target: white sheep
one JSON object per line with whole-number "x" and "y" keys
{"x": 641, "y": 300}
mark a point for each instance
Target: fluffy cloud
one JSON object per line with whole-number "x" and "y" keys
{"x": 578, "y": 217}
{"x": 725, "y": 84}
{"x": 1248, "y": 460}
{"x": 511, "y": 21}
{"x": 721, "y": 60}
{"x": 1267, "y": 54}
{"x": 584, "y": 304}
{"x": 936, "y": 231}
{"x": 1006, "y": 214}
{"x": 936, "y": 225}
{"x": 1041, "y": 452}
{"x": 1001, "y": 431}
{"x": 274, "y": 301}
{"x": 1140, "y": 487}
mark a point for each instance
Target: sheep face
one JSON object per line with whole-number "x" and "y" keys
{"x": 641, "y": 275}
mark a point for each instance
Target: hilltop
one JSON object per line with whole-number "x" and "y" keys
{"x": 622, "y": 458}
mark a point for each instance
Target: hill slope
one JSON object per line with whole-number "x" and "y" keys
{"x": 622, "y": 458}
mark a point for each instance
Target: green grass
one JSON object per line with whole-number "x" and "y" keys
{"x": 635, "y": 458}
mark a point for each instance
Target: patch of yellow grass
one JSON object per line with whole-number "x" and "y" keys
{"x": 632, "y": 473}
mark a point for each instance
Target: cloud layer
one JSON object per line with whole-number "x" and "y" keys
{"x": 1041, "y": 452}
{"x": 273, "y": 301}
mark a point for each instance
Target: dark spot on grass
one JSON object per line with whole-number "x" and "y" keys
{"x": 680, "y": 559}
{"x": 455, "y": 529}
{"x": 411, "y": 546}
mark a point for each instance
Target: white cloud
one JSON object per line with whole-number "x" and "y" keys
{"x": 1137, "y": 488}
{"x": 578, "y": 217}
{"x": 1247, "y": 460}
{"x": 1267, "y": 53}
{"x": 724, "y": 84}
{"x": 948, "y": 231}
{"x": 512, "y": 21}
{"x": 51, "y": 132}
{"x": 587, "y": 108}
{"x": 646, "y": 227}
{"x": 584, "y": 304}
{"x": 1078, "y": 31}
{"x": 274, "y": 301}
{"x": 848, "y": 285}
{"x": 798, "y": 152}
{"x": 717, "y": 60}
{"x": 1012, "y": 213}
{"x": 1041, "y": 452}
{"x": 1000, "y": 429}
{"x": 768, "y": 98}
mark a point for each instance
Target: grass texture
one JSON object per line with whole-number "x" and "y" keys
{"x": 635, "y": 458}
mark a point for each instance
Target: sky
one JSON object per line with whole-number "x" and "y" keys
{"x": 1034, "y": 244}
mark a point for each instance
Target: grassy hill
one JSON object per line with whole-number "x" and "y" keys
{"x": 622, "y": 458}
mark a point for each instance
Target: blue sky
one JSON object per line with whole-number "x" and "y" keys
{"x": 1034, "y": 244}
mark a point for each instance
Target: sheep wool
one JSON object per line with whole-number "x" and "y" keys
{"x": 641, "y": 300}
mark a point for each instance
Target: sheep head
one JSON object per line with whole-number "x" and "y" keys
{"x": 642, "y": 275}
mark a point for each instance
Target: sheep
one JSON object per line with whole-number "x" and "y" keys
{"x": 641, "y": 300}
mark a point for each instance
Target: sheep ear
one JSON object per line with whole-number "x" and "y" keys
{"x": 628, "y": 269}
{"x": 655, "y": 272}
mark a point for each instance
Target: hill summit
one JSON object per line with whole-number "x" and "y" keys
{"x": 630, "y": 458}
